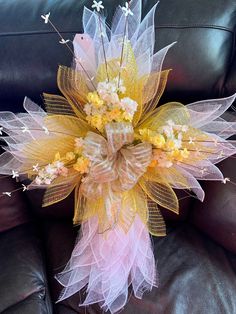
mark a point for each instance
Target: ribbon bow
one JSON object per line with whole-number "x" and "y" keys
{"x": 116, "y": 165}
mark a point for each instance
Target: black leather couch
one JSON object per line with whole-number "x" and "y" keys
{"x": 196, "y": 260}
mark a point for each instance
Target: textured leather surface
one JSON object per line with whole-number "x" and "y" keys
{"x": 23, "y": 284}
{"x": 195, "y": 274}
{"x": 231, "y": 80}
{"x": 216, "y": 216}
{"x": 13, "y": 211}
{"x": 30, "y": 52}
{"x": 202, "y": 57}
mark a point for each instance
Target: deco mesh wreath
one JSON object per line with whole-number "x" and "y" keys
{"x": 107, "y": 140}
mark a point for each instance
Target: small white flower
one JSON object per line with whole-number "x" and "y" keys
{"x": 111, "y": 87}
{"x": 129, "y": 105}
{"x": 61, "y": 170}
{"x": 1, "y": 129}
{"x": 203, "y": 171}
{"x": 50, "y": 169}
{"x": 58, "y": 164}
{"x": 25, "y": 129}
{"x": 64, "y": 41}
{"x": 225, "y": 180}
{"x": 24, "y": 187}
{"x": 127, "y": 10}
{"x": 45, "y": 130}
{"x": 42, "y": 173}
{"x": 111, "y": 98}
{"x": 36, "y": 168}
{"x": 97, "y": 5}
{"x": 7, "y": 193}
{"x": 48, "y": 181}
{"x": 90, "y": 78}
{"x": 88, "y": 109}
{"x": 45, "y": 17}
{"x": 191, "y": 140}
{"x": 167, "y": 130}
{"x": 38, "y": 180}
{"x": 102, "y": 34}
{"x": 105, "y": 88}
{"x": 15, "y": 174}
{"x": 162, "y": 159}
{"x": 222, "y": 154}
{"x": 215, "y": 142}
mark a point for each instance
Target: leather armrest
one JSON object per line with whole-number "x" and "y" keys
{"x": 216, "y": 216}
{"x": 23, "y": 283}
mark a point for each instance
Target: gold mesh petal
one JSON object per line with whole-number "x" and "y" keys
{"x": 174, "y": 111}
{"x": 128, "y": 210}
{"x": 67, "y": 125}
{"x": 156, "y": 224}
{"x": 57, "y": 193}
{"x": 43, "y": 150}
{"x": 170, "y": 175}
{"x": 153, "y": 90}
{"x": 160, "y": 193}
{"x": 55, "y": 104}
{"x": 73, "y": 86}
{"x": 141, "y": 203}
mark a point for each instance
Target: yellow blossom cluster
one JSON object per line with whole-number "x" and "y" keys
{"x": 152, "y": 137}
{"x": 82, "y": 165}
{"x": 100, "y": 120}
{"x": 106, "y": 105}
{"x": 75, "y": 158}
{"x": 167, "y": 146}
{"x": 95, "y": 99}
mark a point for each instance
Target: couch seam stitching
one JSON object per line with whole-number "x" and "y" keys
{"x": 194, "y": 26}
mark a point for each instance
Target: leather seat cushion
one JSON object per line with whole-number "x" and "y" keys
{"x": 23, "y": 284}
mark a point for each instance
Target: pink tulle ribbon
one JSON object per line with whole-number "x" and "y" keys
{"x": 108, "y": 264}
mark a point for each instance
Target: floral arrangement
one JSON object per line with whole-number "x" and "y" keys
{"x": 122, "y": 154}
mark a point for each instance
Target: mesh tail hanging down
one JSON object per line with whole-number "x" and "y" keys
{"x": 108, "y": 264}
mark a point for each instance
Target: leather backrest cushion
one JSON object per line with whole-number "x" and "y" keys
{"x": 13, "y": 210}
{"x": 216, "y": 216}
{"x": 231, "y": 78}
{"x": 30, "y": 52}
